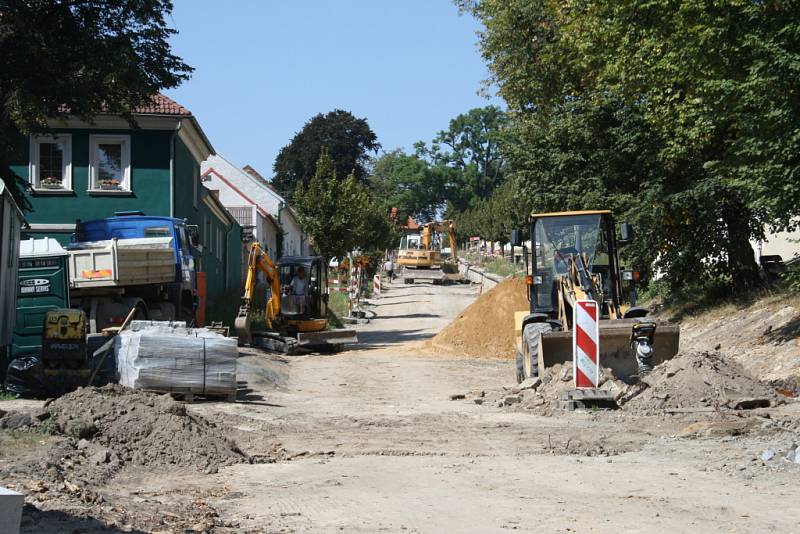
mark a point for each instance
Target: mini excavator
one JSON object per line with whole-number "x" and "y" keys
{"x": 296, "y": 310}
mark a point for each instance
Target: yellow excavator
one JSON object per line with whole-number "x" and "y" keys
{"x": 427, "y": 261}
{"x": 573, "y": 256}
{"x": 296, "y": 313}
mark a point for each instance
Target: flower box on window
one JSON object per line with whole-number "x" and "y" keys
{"x": 51, "y": 182}
{"x": 110, "y": 184}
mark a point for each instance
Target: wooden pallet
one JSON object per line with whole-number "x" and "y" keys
{"x": 188, "y": 395}
{"x": 587, "y": 399}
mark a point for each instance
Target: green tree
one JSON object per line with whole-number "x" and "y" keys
{"x": 469, "y": 154}
{"x": 63, "y": 57}
{"x": 347, "y": 139}
{"x": 711, "y": 91}
{"x": 340, "y": 215}
{"x": 408, "y": 183}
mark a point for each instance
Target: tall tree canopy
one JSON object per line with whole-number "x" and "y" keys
{"x": 471, "y": 149}
{"x": 689, "y": 107}
{"x": 348, "y": 141}
{"x": 340, "y": 215}
{"x": 59, "y": 56}
{"x": 410, "y": 184}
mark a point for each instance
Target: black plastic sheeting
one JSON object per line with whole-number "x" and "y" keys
{"x": 25, "y": 377}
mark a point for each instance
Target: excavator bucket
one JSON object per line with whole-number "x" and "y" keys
{"x": 615, "y": 347}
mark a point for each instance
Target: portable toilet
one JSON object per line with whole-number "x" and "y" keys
{"x": 43, "y": 284}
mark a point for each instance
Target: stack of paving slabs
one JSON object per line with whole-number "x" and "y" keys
{"x": 171, "y": 358}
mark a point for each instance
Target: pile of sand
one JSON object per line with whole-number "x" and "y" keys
{"x": 486, "y": 328}
{"x": 701, "y": 379}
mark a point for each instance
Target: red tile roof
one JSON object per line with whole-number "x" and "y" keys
{"x": 160, "y": 105}
{"x": 163, "y": 105}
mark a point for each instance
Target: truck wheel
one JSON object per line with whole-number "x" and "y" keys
{"x": 530, "y": 346}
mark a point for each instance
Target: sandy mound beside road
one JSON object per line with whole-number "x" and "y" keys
{"x": 485, "y": 329}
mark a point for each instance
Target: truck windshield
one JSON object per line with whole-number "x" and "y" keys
{"x": 158, "y": 231}
{"x": 557, "y": 239}
{"x": 409, "y": 242}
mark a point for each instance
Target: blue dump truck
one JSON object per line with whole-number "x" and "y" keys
{"x": 130, "y": 261}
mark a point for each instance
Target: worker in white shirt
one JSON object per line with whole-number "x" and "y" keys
{"x": 389, "y": 268}
{"x": 298, "y": 285}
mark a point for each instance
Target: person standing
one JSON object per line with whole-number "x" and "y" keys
{"x": 388, "y": 267}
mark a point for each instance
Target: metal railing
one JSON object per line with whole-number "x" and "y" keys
{"x": 242, "y": 214}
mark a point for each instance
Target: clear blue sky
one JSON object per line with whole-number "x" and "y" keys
{"x": 263, "y": 68}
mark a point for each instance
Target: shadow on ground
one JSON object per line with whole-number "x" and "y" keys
{"x": 35, "y": 521}
{"x": 385, "y": 338}
{"x": 411, "y": 316}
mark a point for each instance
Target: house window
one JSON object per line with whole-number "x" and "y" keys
{"x": 51, "y": 162}
{"x": 110, "y": 163}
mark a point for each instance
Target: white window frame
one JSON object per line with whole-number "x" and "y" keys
{"x": 66, "y": 171}
{"x": 94, "y": 144}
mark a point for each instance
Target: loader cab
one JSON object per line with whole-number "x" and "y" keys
{"x": 305, "y": 275}
{"x": 557, "y": 237}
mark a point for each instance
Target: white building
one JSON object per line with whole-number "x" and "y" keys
{"x": 252, "y": 201}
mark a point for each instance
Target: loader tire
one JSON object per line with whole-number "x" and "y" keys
{"x": 530, "y": 347}
{"x": 520, "y": 368}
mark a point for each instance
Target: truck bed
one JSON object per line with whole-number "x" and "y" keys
{"x": 122, "y": 262}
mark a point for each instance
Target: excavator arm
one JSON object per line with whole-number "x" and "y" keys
{"x": 447, "y": 227}
{"x": 258, "y": 260}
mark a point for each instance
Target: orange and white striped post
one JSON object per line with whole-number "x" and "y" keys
{"x": 376, "y": 286}
{"x": 586, "y": 344}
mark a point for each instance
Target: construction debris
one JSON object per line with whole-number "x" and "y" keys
{"x": 485, "y": 329}
{"x": 689, "y": 383}
{"x": 701, "y": 379}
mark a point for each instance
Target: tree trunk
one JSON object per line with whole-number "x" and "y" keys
{"x": 741, "y": 257}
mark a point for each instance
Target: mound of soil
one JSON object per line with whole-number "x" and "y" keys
{"x": 701, "y": 379}
{"x": 106, "y": 429}
{"x": 690, "y": 380}
{"x": 485, "y": 329}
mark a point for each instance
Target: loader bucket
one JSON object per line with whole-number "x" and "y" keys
{"x": 615, "y": 350}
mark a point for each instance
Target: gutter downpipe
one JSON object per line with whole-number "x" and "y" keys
{"x": 172, "y": 170}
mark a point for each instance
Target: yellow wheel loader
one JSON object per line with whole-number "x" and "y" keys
{"x": 296, "y": 312}
{"x": 573, "y": 256}
{"x": 427, "y": 262}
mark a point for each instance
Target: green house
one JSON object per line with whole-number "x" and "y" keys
{"x": 83, "y": 171}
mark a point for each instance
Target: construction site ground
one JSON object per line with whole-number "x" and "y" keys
{"x": 397, "y": 435}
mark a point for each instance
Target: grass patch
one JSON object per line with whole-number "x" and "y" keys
{"x": 700, "y": 298}
{"x": 6, "y": 396}
{"x": 496, "y": 265}
{"x": 339, "y": 302}
{"x": 21, "y": 439}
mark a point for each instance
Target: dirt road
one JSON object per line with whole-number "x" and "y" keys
{"x": 393, "y": 436}
{"x": 373, "y": 443}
